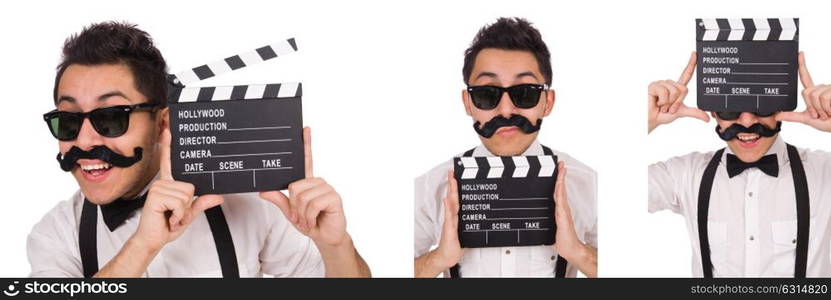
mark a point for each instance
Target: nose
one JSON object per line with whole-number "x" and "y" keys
{"x": 506, "y": 107}
{"x": 747, "y": 119}
{"x": 88, "y": 137}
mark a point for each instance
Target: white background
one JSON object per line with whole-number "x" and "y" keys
{"x": 382, "y": 91}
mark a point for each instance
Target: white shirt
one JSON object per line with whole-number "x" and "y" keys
{"x": 264, "y": 240}
{"x": 752, "y": 216}
{"x": 524, "y": 261}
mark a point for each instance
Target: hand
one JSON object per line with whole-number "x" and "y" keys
{"x": 170, "y": 207}
{"x": 567, "y": 244}
{"x": 449, "y": 252}
{"x": 817, "y": 100}
{"x": 666, "y": 99}
{"x": 312, "y": 206}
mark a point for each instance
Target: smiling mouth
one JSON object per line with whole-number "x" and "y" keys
{"x": 94, "y": 170}
{"x": 748, "y": 139}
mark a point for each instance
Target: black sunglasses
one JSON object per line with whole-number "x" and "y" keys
{"x": 523, "y": 96}
{"x": 110, "y": 121}
{"x": 734, "y": 115}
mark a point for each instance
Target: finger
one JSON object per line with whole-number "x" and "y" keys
{"x": 164, "y": 156}
{"x": 279, "y": 199}
{"x": 176, "y": 206}
{"x": 662, "y": 91}
{"x": 813, "y": 97}
{"x": 804, "y": 75}
{"x": 687, "y": 74}
{"x": 308, "y": 196}
{"x": 790, "y": 116}
{"x": 317, "y": 206}
{"x": 672, "y": 95}
{"x": 452, "y": 192}
{"x": 307, "y": 151}
{"x": 679, "y": 101}
{"x": 201, "y": 204}
{"x": 296, "y": 188}
{"x": 560, "y": 187}
{"x": 824, "y": 98}
{"x": 686, "y": 111}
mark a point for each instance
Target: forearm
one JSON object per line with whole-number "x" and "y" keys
{"x": 428, "y": 265}
{"x": 343, "y": 261}
{"x": 585, "y": 260}
{"x": 131, "y": 261}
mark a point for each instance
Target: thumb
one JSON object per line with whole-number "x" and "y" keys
{"x": 279, "y": 199}
{"x": 791, "y": 116}
{"x": 202, "y": 204}
{"x": 686, "y": 111}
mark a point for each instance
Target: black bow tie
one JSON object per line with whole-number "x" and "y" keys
{"x": 768, "y": 164}
{"x": 116, "y": 212}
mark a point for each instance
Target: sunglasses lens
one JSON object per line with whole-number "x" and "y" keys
{"x": 485, "y": 97}
{"x": 728, "y": 116}
{"x": 64, "y": 126}
{"x": 765, "y": 114}
{"x": 111, "y": 121}
{"x": 525, "y": 96}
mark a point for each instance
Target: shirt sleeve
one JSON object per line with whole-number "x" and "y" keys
{"x": 52, "y": 245}
{"x": 428, "y": 208}
{"x": 666, "y": 179}
{"x": 287, "y": 252}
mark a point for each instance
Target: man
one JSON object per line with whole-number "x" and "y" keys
{"x": 759, "y": 207}
{"x": 507, "y": 54}
{"x": 112, "y": 125}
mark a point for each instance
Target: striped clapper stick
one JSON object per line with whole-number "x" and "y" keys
{"x": 506, "y": 201}
{"x": 747, "y": 65}
{"x": 236, "y": 139}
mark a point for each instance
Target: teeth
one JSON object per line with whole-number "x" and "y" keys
{"x": 748, "y": 137}
{"x": 95, "y": 167}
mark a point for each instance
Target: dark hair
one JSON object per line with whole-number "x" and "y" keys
{"x": 118, "y": 43}
{"x": 509, "y": 34}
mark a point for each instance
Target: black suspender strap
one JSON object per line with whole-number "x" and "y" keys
{"x": 87, "y": 240}
{"x": 562, "y": 263}
{"x": 803, "y": 212}
{"x": 223, "y": 241}
{"x": 704, "y": 210}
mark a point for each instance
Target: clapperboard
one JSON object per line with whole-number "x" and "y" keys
{"x": 506, "y": 201}
{"x": 235, "y": 139}
{"x": 747, "y": 65}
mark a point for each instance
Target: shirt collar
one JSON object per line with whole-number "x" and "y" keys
{"x": 534, "y": 149}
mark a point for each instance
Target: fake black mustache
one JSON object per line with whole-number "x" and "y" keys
{"x": 68, "y": 160}
{"x": 734, "y": 130}
{"x": 490, "y": 127}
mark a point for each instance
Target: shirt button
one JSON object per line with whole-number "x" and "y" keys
{"x": 751, "y": 238}
{"x": 750, "y": 194}
{"x": 553, "y": 257}
{"x": 794, "y": 241}
{"x": 508, "y": 252}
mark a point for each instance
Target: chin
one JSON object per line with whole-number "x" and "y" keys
{"x": 99, "y": 193}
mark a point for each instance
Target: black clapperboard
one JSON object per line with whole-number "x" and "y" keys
{"x": 236, "y": 139}
{"x": 747, "y": 65}
{"x": 506, "y": 201}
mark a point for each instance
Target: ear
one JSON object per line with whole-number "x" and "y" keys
{"x": 550, "y": 98}
{"x": 466, "y": 102}
{"x": 713, "y": 114}
{"x": 162, "y": 121}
